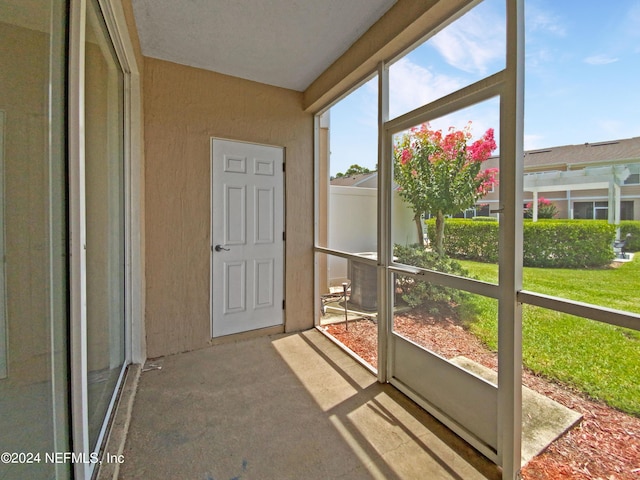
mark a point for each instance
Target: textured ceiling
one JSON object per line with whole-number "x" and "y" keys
{"x": 287, "y": 43}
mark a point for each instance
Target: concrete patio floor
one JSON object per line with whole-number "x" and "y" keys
{"x": 284, "y": 407}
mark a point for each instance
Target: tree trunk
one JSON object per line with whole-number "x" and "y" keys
{"x": 418, "y": 221}
{"x": 439, "y": 247}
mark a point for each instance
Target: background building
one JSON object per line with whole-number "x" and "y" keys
{"x": 583, "y": 181}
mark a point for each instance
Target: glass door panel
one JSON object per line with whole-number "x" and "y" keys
{"x": 33, "y": 271}
{"x": 104, "y": 185}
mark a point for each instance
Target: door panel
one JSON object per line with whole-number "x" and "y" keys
{"x": 235, "y": 215}
{"x": 264, "y": 215}
{"x": 235, "y": 286}
{"x": 246, "y": 231}
{"x": 473, "y": 414}
{"x": 263, "y": 283}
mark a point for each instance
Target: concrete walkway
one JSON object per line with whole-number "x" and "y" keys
{"x": 284, "y": 407}
{"x": 543, "y": 419}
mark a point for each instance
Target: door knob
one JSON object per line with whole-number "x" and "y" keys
{"x": 219, "y": 248}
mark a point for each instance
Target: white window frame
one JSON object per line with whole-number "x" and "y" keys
{"x": 134, "y": 287}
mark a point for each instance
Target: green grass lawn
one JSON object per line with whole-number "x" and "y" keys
{"x": 599, "y": 359}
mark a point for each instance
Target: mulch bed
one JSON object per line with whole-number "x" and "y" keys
{"x": 604, "y": 446}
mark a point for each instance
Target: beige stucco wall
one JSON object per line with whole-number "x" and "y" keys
{"x": 183, "y": 108}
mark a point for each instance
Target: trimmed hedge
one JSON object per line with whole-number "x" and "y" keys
{"x": 468, "y": 239}
{"x": 568, "y": 243}
{"x": 547, "y": 243}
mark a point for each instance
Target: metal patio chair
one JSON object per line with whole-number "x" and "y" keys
{"x": 619, "y": 247}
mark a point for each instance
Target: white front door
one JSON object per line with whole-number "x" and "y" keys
{"x": 247, "y": 229}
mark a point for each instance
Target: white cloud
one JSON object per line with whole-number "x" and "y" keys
{"x": 412, "y": 86}
{"x": 537, "y": 57}
{"x": 630, "y": 21}
{"x": 600, "y": 59}
{"x": 539, "y": 20}
{"x": 542, "y": 26}
{"x": 473, "y": 42}
{"x": 533, "y": 142}
{"x": 613, "y": 129}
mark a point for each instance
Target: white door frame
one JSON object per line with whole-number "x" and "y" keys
{"x": 487, "y": 416}
{"x": 114, "y": 17}
{"x": 409, "y": 367}
{"x": 430, "y": 380}
{"x": 216, "y": 238}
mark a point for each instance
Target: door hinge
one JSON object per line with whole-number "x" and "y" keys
{"x": 284, "y": 236}
{"x": 283, "y": 304}
{"x": 284, "y": 168}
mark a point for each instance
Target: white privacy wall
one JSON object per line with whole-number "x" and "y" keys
{"x": 353, "y": 225}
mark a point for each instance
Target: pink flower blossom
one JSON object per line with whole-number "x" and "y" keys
{"x": 488, "y": 179}
{"x": 406, "y": 156}
{"x": 481, "y": 150}
{"x": 541, "y": 202}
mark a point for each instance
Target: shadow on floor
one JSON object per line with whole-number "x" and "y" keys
{"x": 284, "y": 407}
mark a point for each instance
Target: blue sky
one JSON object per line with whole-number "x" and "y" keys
{"x": 582, "y": 81}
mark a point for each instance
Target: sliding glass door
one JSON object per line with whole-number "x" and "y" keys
{"x": 98, "y": 223}
{"x": 105, "y": 219}
{"x": 33, "y": 218}
{"x": 63, "y": 234}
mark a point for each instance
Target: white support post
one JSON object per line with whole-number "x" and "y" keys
{"x": 317, "y": 299}
{"x": 385, "y": 278}
{"x": 510, "y": 261}
{"x": 611, "y": 204}
{"x": 614, "y": 189}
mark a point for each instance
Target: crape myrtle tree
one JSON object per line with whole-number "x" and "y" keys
{"x": 442, "y": 174}
{"x": 546, "y": 209}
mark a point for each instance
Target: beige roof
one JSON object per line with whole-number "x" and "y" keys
{"x": 626, "y": 150}
{"x": 353, "y": 180}
{"x": 598, "y": 153}
{"x": 615, "y": 151}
